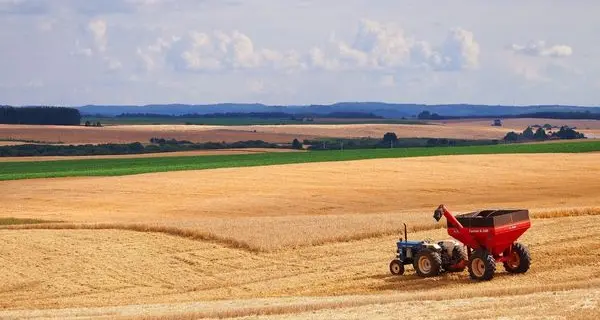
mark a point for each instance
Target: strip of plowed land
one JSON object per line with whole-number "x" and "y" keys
{"x": 52, "y": 269}
{"x": 140, "y": 133}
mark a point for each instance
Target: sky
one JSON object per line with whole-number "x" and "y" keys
{"x": 292, "y": 52}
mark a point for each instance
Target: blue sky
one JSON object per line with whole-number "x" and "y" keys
{"x": 74, "y": 52}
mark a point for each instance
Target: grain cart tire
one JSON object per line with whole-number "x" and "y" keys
{"x": 396, "y": 268}
{"x": 458, "y": 254}
{"x": 428, "y": 263}
{"x": 481, "y": 265}
{"x": 519, "y": 260}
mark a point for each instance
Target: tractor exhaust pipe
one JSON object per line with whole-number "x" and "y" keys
{"x": 405, "y": 234}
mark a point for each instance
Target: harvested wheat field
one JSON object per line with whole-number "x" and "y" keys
{"x": 116, "y": 273}
{"x": 346, "y": 200}
{"x": 295, "y": 241}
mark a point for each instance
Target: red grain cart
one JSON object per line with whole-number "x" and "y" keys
{"x": 490, "y": 237}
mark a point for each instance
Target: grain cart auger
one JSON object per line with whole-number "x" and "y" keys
{"x": 490, "y": 237}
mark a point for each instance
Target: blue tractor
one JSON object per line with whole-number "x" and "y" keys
{"x": 429, "y": 258}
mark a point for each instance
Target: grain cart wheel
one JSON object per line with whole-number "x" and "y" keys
{"x": 396, "y": 268}
{"x": 428, "y": 263}
{"x": 519, "y": 259}
{"x": 460, "y": 258}
{"x": 482, "y": 265}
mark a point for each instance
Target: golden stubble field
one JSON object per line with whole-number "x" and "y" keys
{"x": 459, "y": 129}
{"x": 310, "y": 240}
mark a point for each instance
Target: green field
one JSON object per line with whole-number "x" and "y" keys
{"x": 116, "y": 167}
{"x": 233, "y": 121}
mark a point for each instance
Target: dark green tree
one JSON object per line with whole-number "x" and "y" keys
{"x": 390, "y": 137}
{"x": 296, "y": 144}
{"x": 528, "y": 133}
{"x": 540, "y": 134}
{"x": 424, "y": 115}
{"x": 40, "y": 115}
{"x": 568, "y": 133}
{"x": 511, "y": 136}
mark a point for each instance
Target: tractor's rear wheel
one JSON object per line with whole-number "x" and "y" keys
{"x": 459, "y": 254}
{"x": 396, "y": 267}
{"x": 428, "y": 263}
{"x": 519, "y": 259}
{"x": 482, "y": 265}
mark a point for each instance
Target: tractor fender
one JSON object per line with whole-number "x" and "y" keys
{"x": 449, "y": 245}
{"x": 433, "y": 246}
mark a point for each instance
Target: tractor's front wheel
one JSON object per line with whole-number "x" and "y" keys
{"x": 519, "y": 259}
{"x": 482, "y": 265}
{"x": 396, "y": 268}
{"x": 428, "y": 263}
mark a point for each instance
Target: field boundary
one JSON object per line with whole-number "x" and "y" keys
{"x": 120, "y": 167}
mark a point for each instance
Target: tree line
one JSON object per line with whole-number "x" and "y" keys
{"x": 157, "y": 145}
{"x": 565, "y": 132}
{"x": 40, "y": 115}
{"x": 261, "y": 115}
{"x": 389, "y": 140}
{"x": 587, "y": 115}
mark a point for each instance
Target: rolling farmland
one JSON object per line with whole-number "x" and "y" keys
{"x": 291, "y": 239}
{"x": 459, "y": 129}
{"x": 124, "y": 166}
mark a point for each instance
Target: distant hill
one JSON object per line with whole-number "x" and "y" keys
{"x": 387, "y": 110}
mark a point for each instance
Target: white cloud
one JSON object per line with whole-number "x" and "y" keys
{"x": 318, "y": 60}
{"x": 199, "y": 51}
{"x": 113, "y": 64}
{"x": 541, "y": 49}
{"x": 385, "y": 46}
{"x": 98, "y": 28}
{"x": 461, "y": 50}
{"x": 148, "y": 63}
{"x": 376, "y": 46}
{"x": 320, "y": 52}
